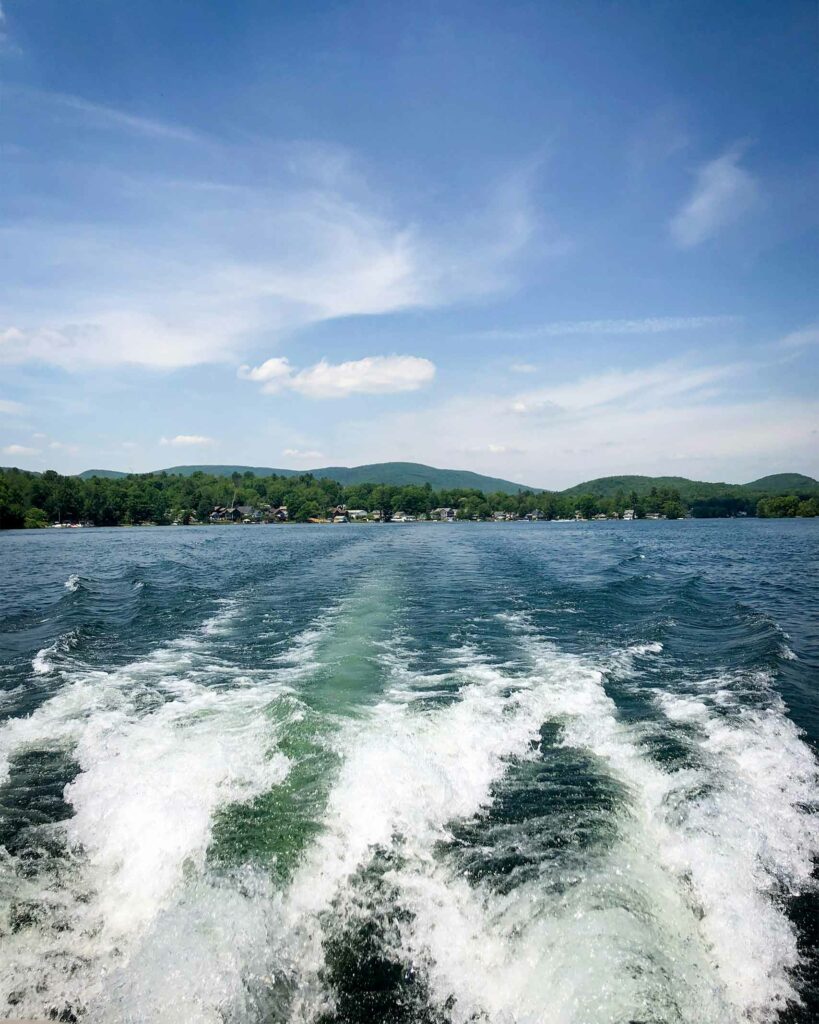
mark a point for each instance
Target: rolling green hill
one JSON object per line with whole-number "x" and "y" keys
{"x": 784, "y": 483}
{"x": 107, "y": 474}
{"x": 398, "y": 473}
{"x": 228, "y": 470}
{"x": 778, "y": 483}
{"x": 606, "y": 486}
{"x": 402, "y": 473}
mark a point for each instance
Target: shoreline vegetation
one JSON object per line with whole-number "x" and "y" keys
{"x": 41, "y": 500}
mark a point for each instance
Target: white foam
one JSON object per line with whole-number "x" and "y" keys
{"x": 747, "y": 838}
{"x": 72, "y": 583}
{"x": 160, "y": 750}
{"x": 203, "y": 961}
{"x": 148, "y": 787}
{"x": 626, "y": 661}
{"x": 677, "y": 915}
{"x": 41, "y": 662}
{"x": 675, "y": 919}
{"x": 405, "y": 776}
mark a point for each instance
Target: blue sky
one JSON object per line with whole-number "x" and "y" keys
{"x": 546, "y": 241}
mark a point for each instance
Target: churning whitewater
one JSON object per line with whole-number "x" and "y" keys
{"x": 510, "y": 774}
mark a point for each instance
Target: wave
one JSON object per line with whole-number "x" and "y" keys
{"x": 680, "y": 915}
{"x": 161, "y": 746}
{"x": 49, "y": 658}
{"x": 493, "y": 835}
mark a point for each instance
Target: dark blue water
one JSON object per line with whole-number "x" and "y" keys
{"x": 428, "y": 773}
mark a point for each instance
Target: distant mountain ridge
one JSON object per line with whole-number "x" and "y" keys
{"x": 403, "y": 473}
{"x": 776, "y": 483}
{"x": 397, "y": 473}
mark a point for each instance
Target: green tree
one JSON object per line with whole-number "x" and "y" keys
{"x": 35, "y": 519}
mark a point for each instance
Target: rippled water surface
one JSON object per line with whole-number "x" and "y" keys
{"x": 536, "y": 773}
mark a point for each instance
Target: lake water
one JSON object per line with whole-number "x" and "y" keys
{"x": 435, "y": 773}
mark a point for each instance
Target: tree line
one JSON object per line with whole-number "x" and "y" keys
{"x": 37, "y": 500}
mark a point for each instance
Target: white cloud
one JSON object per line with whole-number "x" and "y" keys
{"x": 115, "y": 337}
{"x": 99, "y": 116}
{"x": 722, "y": 193}
{"x": 801, "y": 338}
{"x": 301, "y": 453}
{"x": 644, "y": 325}
{"x": 20, "y": 449}
{"x": 272, "y": 372}
{"x": 523, "y": 368}
{"x": 61, "y": 446}
{"x": 493, "y": 448}
{"x": 371, "y": 375}
{"x": 655, "y": 383}
{"x": 9, "y": 408}
{"x": 195, "y": 271}
{"x": 186, "y": 440}
{"x": 680, "y": 419}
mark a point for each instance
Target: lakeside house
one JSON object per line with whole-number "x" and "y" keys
{"x": 444, "y": 515}
{"x": 222, "y": 514}
{"x": 248, "y": 514}
{"x": 629, "y": 514}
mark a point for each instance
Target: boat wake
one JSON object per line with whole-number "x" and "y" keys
{"x": 362, "y": 826}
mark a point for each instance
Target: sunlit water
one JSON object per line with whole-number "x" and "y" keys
{"x": 482, "y": 773}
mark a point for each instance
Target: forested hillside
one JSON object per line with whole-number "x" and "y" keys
{"x": 36, "y": 500}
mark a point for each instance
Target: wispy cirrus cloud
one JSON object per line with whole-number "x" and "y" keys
{"x": 199, "y": 269}
{"x": 657, "y": 383}
{"x": 102, "y": 116}
{"x": 702, "y": 421}
{"x": 802, "y": 338}
{"x": 373, "y": 375}
{"x": 723, "y": 192}
{"x": 640, "y": 325}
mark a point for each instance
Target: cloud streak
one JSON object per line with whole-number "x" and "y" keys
{"x": 646, "y": 386}
{"x": 803, "y": 338}
{"x": 681, "y": 418}
{"x": 102, "y": 116}
{"x": 199, "y": 270}
{"x": 643, "y": 325}
{"x": 723, "y": 192}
